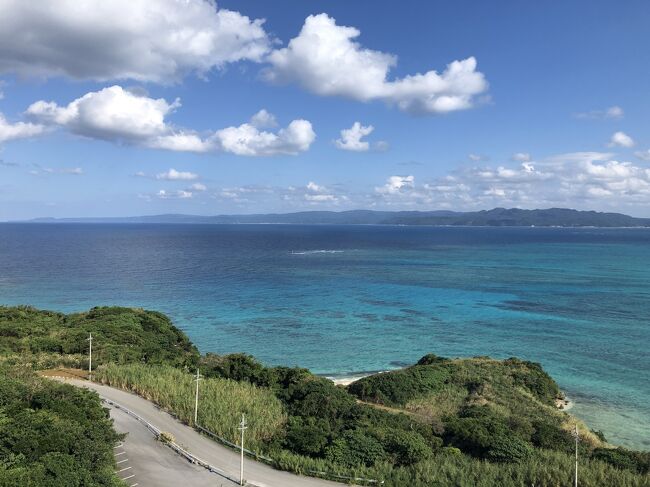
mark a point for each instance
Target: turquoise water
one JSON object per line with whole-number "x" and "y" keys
{"x": 346, "y": 300}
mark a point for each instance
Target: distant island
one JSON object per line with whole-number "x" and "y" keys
{"x": 497, "y": 217}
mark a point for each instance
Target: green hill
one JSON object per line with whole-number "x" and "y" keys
{"x": 441, "y": 422}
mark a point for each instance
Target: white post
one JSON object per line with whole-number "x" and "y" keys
{"x": 577, "y": 437}
{"x": 196, "y": 401}
{"x": 90, "y": 357}
{"x": 242, "y": 428}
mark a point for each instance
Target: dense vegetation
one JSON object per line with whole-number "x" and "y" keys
{"x": 222, "y": 401}
{"x": 120, "y": 335}
{"x": 53, "y": 435}
{"x": 462, "y": 422}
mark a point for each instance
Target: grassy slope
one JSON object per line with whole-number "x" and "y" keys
{"x": 120, "y": 335}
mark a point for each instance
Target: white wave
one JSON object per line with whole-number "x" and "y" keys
{"x": 309, "y": 252}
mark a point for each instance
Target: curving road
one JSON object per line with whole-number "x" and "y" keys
{"x": 150, "y": 460}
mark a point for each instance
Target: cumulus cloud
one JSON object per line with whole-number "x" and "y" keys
{"x": 158, "y": 41}
{"x": 44, "y": 171}
{"x": 614, "y": 113}
{"x": 248, "y": 140}
{"x": 18, "y": 130}
{"x": 174, "y": 175}
{"x": 521, "y": 157}
{"x": 396, "y": 184}
{"x": 111, "y": 114}
{"x": 325, "y": 59}
{"x": 315, "y": 193}
{"x": 643, "y": 155}
{"x": 621, "y": 139}
{"x": 580, "y": 179}
{"x": 123, "y": 116}
{"x": 351, "y": 138}
{"x": 180, "y": 194}
{"x": 198, "y": 187}
{"x": 264, "y": 119}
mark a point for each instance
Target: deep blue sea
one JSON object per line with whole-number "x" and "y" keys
{"x": 343, "y": 300}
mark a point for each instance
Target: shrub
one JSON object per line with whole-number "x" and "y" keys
{"x": 398, "y": 387}
{"x": 407, "y": 447}
{"x": 505, "y": 448}
{"x": 307, "y": 436}
{"x": 551, "y": 437}
{"x": 531, "y": 376}
{"x": 355, "y": 448}
{"x": 624, "y": 459}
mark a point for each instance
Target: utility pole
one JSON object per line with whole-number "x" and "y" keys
{"x": 242, "y": 428}
{"x": 576, "y": 435}
{"x": 196, "y": 401}
{"x": 90, "y": 357}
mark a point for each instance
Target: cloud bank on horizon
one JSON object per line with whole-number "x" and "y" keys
{"x": 136, "y": 79}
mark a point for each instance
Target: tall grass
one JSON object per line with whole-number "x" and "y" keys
{"x": 221, "y": 401}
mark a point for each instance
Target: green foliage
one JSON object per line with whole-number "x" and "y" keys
{"x": 508, "y": 448}
{"x": 431, "y": 359}
{"x": 222, "y": 400}
{"x": 624, "y": 459}
{"x": 53, "y": 434}
{"x": 355, "y": 447}
{"x": 121, "y": 335}
{"x": 407, "y": 447}
{"x": 531, "y": 376}
{"x": 308, "y": 436}
{"x": 399, "y": 387}
{"x": 552, "y": 437}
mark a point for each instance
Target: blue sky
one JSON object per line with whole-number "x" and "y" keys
{"x": 138, "y": 107}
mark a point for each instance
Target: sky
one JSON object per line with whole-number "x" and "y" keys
{"x": 141, "y": 107}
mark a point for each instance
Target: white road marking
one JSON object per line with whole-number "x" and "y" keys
{"x": 120, "y": 453}
{"x": 129, "y": 477}
{"x": 125, "y": 468}
{"x": 122, "y": 461}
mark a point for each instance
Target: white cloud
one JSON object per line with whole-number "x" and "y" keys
{"x": 643, "y": 155}
{"x": 18, "y": 130}
{"x": 614, "y": 113}
{"x": 73, "y": 171}
{"x": 312, "y": 186}
{"x": 180, "y": 194}
{"x": 396, "y": 184}
{"x": 315, "y": 193}
{"x": 109, "y": 114}
{"x": 248, "y": 140}
{"x": 198, "y": 187}
{"x": 118, "y": 115}
{"x": 521, "y": 157}
{"x": 351, "y": 138}
{"x": 325, "y": 59}
{"x": 158, "y": 41}
{"x": 263, "y": 119}
{"x": 582, "y": 179}
{"x": 621, "y": 139}
{"x": 174, "y": 175}
{"x": 475, "y": 157}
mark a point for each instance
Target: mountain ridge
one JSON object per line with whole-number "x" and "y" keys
{"x": 550, "y": 217}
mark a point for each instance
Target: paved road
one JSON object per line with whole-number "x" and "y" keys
{"x": 256, "y": 473}
{"x": 142, "y": 461}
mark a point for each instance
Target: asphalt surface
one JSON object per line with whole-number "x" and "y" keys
{"x": 147, "y": 456}
{"x": 143, "y": 461}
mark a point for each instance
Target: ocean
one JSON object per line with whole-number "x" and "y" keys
{"x": 347, "y": 300}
